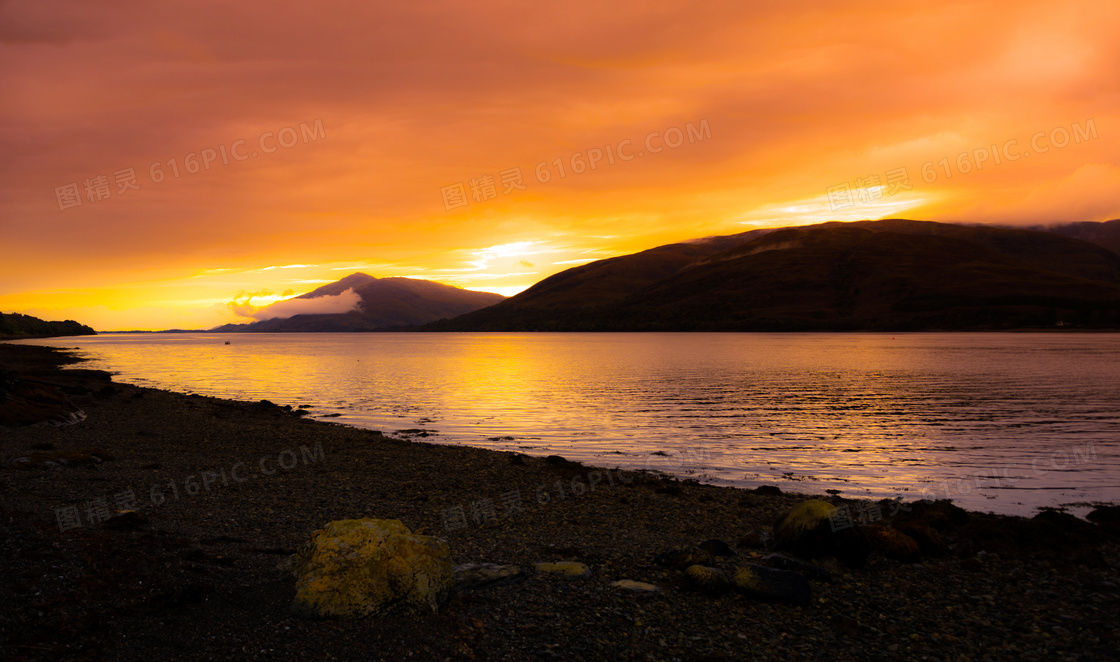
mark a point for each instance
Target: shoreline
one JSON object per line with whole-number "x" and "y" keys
{"x": 972, "y": 479}
{"x": 192, "y": 573}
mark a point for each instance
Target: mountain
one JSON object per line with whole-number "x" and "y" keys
{"x": 551, "y": 303}
{"x": 875, "y": 275}
{"x": 381, "y": 303}
{"x": 14, "y": 326}
{"x": 1104, "y": 234}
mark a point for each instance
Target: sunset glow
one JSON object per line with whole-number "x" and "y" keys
{"x": 229, "y": 155}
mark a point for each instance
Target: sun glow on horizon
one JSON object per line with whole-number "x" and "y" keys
{"x": 493, "y": 148}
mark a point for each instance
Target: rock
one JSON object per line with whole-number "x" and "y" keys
{"x": 717, "y": 548}
{"x": 706, "y": 579}
{"x": 808, "y": 530}
{"x": 569, "y": 569}
{"x": 679, "y": 559}
{"x": 1067, "y": 523}
{"x": 801, "y": 522}
{"x": 803, "y": 568}
{"x": 565, "y": 467}
{"x": 475, "y": 576}
{"x": 892, "y": 543}
{"x": 939, "y": 514}
{"x": 361, "y": 567}
{"x": 755, "y": 539}
{"x": 1061, "y": 538}
{"x": 771, "y": 584}
{"x": 768, "y": 490}
{"x": 1105, "y": 515}
{"x": 930, "y": 542}
{"x": 850, "y": 546}
{"x": 27, "y": 403}
{"x": 59, "y": 459}
{"x": 637, "y": 587}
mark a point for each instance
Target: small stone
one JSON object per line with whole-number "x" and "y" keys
{"x": 754, "y": 539}
{"x": 637, "y": 587}
{"x": 803, "y": 568}
{"x": 759, "y": 581}
{"x": 569, "y": 569}
{"x": 679, "y": 559}
{"x": 717, "y": 548}
{"x": 476, "y": 576}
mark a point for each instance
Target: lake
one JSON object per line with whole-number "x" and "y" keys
{"x": 1005, "y": 422}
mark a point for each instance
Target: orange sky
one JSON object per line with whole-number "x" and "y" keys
{"x": 788, "y": 102}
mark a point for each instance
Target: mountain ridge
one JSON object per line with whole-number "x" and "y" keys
{"x": 14, "y": 326}
{"x": 893, "y": 274}
{"x": 383, "y": 303}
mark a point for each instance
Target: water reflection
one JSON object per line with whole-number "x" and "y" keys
{"x": 868, "y": 414}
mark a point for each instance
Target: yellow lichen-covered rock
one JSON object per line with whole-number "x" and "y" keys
{"x": 800, "y": 521}
{"x": 361, "y": 567}
{"x": 808, "y": 529}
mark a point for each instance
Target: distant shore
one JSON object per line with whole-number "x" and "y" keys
{"x": 222, "y": 491}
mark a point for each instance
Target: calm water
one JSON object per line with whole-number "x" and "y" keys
{"x": 1001, "y": 422}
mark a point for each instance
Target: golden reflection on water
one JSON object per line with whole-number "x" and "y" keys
{"x": 868, "y": 414}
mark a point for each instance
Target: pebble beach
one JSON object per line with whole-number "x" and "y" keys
{"x": 141, "y": 523}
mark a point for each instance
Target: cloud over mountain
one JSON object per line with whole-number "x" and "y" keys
{"x": 343, "y": 302}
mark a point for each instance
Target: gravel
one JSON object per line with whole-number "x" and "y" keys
{"x": 192, "y": 572}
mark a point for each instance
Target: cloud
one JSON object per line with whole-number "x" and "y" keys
{"x": 413, "y": 97}
{"x": 325, "y": 305}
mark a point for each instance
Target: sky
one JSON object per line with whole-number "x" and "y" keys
{"x": 229, "y": 155}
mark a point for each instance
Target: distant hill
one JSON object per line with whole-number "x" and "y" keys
{"x": 1104, "y": 234}
{"x": 383, "y": 303}
{"x": 14, "y": 326}
{"x": 875, "y": 275}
